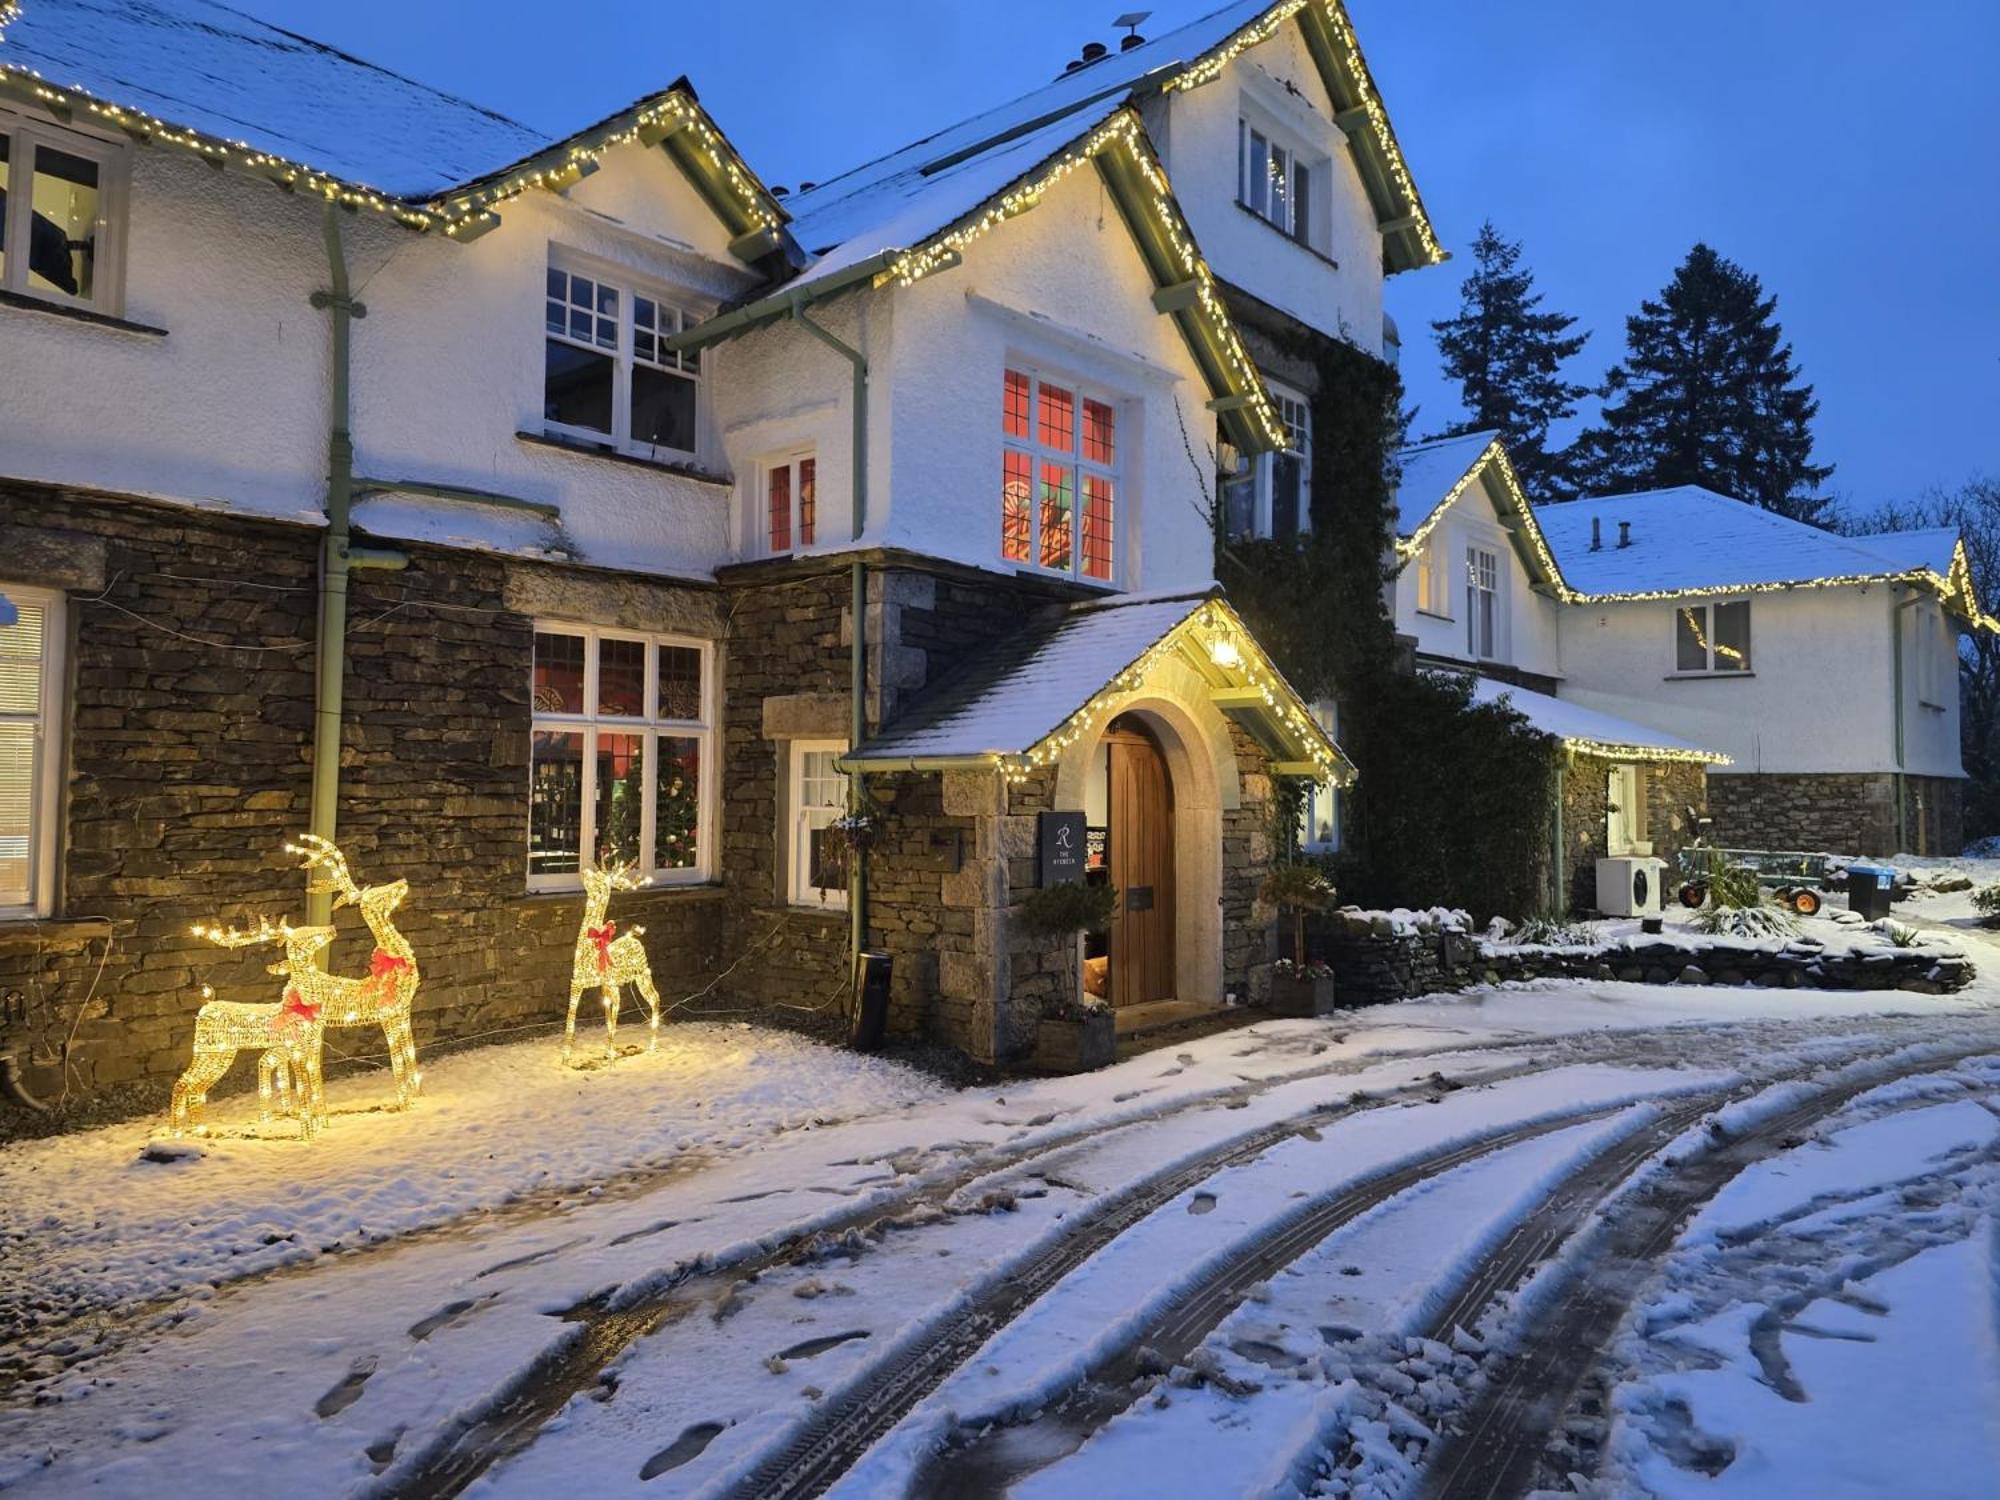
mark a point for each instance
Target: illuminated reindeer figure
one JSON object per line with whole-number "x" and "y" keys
{"x": 606, "y": 960}
{"x": 384, "y": 997}
{"x": 286, "y": 1035}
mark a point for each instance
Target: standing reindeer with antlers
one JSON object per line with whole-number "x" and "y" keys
{"x": 286, "y": 1035}
{"x": 605, "y": 960}
{"x": 384, "y": 997}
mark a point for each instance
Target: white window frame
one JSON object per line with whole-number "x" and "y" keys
{"x": 1039, "y": 453}
{"x": 44, "y": 810}
{"x": 1319, "y": 793}
{"x": 799, "y": 889}
{"x": 113, "y": 161}
{"x": 652, "y": 728}
{"x": 1704, "y": 612}
{"x": 1260, "y": 473}
{"x": 1480, "y": 580}
{"x": 760, "y": 522}
{"x": 1253, "y": 125}
{"x": 624, "y": 355}
{"x": 1626, "y": 830}
{"x": 1433, "y": 591}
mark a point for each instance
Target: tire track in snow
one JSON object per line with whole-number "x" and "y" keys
{"x": 1497, "y": 1449}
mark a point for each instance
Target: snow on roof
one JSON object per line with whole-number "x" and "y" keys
{"x": 1588, "y": 729}
{"x": 1933, "y": 549}
{"x": 1029, "y": 685}
{"x": 1690, "y": 539}
{"x": 1430, "y": 472}
{"x": 212, "y": 69}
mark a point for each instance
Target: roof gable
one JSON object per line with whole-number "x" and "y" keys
{"x": 1434, "y": 475}
{"x": 198, "y": 76}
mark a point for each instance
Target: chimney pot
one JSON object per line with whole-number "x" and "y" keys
{"x": 807, "y": 187}
{"x": 1092, "y": 51}
{"x": 1624, "y": 533}
{"x": 1596, "y": 533}
{"x": 1130, "y": 40}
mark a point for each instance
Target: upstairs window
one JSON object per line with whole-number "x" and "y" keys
{"x": 605, "y": 373}
{"x": 1270, "y": 495}
{"x": 1059, "y": 476}
{"x": 1275, "y": 181}
{"x": 56, "y": 230}
{"x": 1433, "y": 589}
{"x": 1482, "y": 603}
{"x": 790, "y": 508}
{"x": 621, "y": 756}
{"x": 30, "y": 717}
{"x": 1712, "y": 637}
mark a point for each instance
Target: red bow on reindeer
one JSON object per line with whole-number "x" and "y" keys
{"x": 602, "y": 936}
{"x": 382, "y": 971}
{"x": 295, "y": 1009}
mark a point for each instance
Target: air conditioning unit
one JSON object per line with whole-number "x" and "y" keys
{"x": 1629, "y": 886}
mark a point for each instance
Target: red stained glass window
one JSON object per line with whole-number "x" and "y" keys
{"x": 1099, "y": 420}
{"x": 1096, "y": 526}
{"x": 1014, "y": 506}
{"x": 778, "y": 488}
{"x": 1058, "y": 506}
{"x": 1014, "y": 405}
{"x": 1058, "y": 419}
{"x": 808, "y": 474}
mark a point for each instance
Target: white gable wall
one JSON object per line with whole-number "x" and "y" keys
{"x": 1529, "y": 634}
{"x": 1276, "y": 81}
{"x": 1061, "y": 288}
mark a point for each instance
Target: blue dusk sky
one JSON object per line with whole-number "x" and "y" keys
{"x": 1848, "y": 153}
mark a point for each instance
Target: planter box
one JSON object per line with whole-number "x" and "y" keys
{"x": 1078, "y": 1046}
{"x": 1299, "y": 998}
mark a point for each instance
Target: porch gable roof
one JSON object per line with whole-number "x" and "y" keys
{"x": 1589, "y": 732}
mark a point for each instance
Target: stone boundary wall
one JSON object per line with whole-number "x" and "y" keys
{"x": 1375, "y": 968}
{"x": 1854, "y": 812}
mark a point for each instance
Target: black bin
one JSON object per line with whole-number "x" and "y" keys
{"x": 871, "y": 1015}
{"x": 1868, "y": 888}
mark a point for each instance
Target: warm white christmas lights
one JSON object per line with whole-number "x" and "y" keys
{"x": 606, "y": 959}
{"x": 384, "y": 997}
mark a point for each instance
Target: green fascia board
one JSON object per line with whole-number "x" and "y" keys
{"x": 1400, "y": 250}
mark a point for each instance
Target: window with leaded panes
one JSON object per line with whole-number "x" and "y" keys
{"x": 1059, "y": 476}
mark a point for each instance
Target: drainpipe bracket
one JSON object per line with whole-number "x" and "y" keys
{"x": 350, "y": 305}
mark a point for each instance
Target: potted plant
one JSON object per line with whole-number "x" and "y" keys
{"x": 1299, "y": 986}
{"x": 1078, "y": 1033}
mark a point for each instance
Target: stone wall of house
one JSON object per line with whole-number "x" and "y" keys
{"x": 1836, "y": 812}
{"x": 188, "y": 762}
{"x": 1249, "y": 925}
{"x": 1672, "y": 788}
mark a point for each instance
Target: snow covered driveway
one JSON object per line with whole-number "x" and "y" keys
{"x": 754, "y": 1266}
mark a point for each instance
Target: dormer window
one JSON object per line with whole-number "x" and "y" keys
{"x": 1275, "y": 180}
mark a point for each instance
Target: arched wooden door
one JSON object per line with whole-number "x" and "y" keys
{"x": 1141, "y": 860}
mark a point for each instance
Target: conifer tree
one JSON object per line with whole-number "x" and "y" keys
{"x": 1507, "y": 357}
{"x": 1708, "y": 394}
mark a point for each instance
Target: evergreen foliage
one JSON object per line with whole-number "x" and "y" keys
{"x": 1707, "y": 394}
{"x": 1064, "y": 910}
{"x": 1507, "y": 356}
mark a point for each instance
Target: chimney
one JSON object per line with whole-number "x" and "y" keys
{"x": 1094, "y": 52}
{"x": 1130, "y": 40}
{"x": 1596, "y": 533}
{"x": 1624, "y": 533}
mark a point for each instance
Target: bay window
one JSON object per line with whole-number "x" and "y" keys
{"x": 57, "y": 224}
{"x": 817, "y": 798}
{"x": 1059, "y": 476}
{"x": 605, "y": 374}
{"x": 1712, "y": 637}
{"x": 622, "y": 755}
{"x": 30, "y": 762}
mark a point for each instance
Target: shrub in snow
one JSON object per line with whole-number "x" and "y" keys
{"x": 1745, "y": 922}
{"x": 1987, "y": 900}
{"x": 1553, "y": 932}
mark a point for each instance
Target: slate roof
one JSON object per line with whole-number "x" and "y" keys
{"x": 1430, "y": 472}
{"x": 216, "y": 70}
{"x": 1933, "y": 549}
{"x": 1572, "y": 723}
{"x": 1690, "y": 539}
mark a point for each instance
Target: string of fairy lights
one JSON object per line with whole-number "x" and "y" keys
{"x": 1123, "y": 132}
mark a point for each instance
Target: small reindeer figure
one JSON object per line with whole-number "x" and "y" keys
{"x": 286, "y": 1035}
{"x": 607, "y": 960}
{"x": 385, "y": 996}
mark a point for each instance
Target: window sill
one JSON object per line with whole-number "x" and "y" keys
{"x": 584, "y": 448}
{"x": 1324, "y": 259}
{"x": 25, "y": 303}
{"x": 1096, "y": 585}
{"x": 692, "y": 890}
{"x": 1428, "y": 615}
{"x": 1706, "y": 676}
{"x": 22, "y": 931}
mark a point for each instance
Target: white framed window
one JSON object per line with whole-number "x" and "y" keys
{"x": 605, "y": 377}
{"x": 817, "y": 799}
{"x": 1319, "y": 813}
{"x": 622, "y": 761}
{"x": 1626, "y": 829}
{"x": 1275, "y": 180}
{"x": 788, "y": 505}
{"x": 1482, "y": 602}
{"x": 1433, "y": 589}
{"x": 62, "y": 207}
{"x": 30, "y": 748}
{"x": 1712, "y": 637}
{"x": 1059, "y": 495}
{"x": 1270, "y": 495}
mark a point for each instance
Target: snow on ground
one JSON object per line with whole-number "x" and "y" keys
{"x": 1829, "y": 1325}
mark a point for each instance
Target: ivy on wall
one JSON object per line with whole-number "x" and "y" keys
{"x": 1456, "y": 801}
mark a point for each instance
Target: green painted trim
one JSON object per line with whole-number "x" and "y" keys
{"x": 459, "y": 492}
